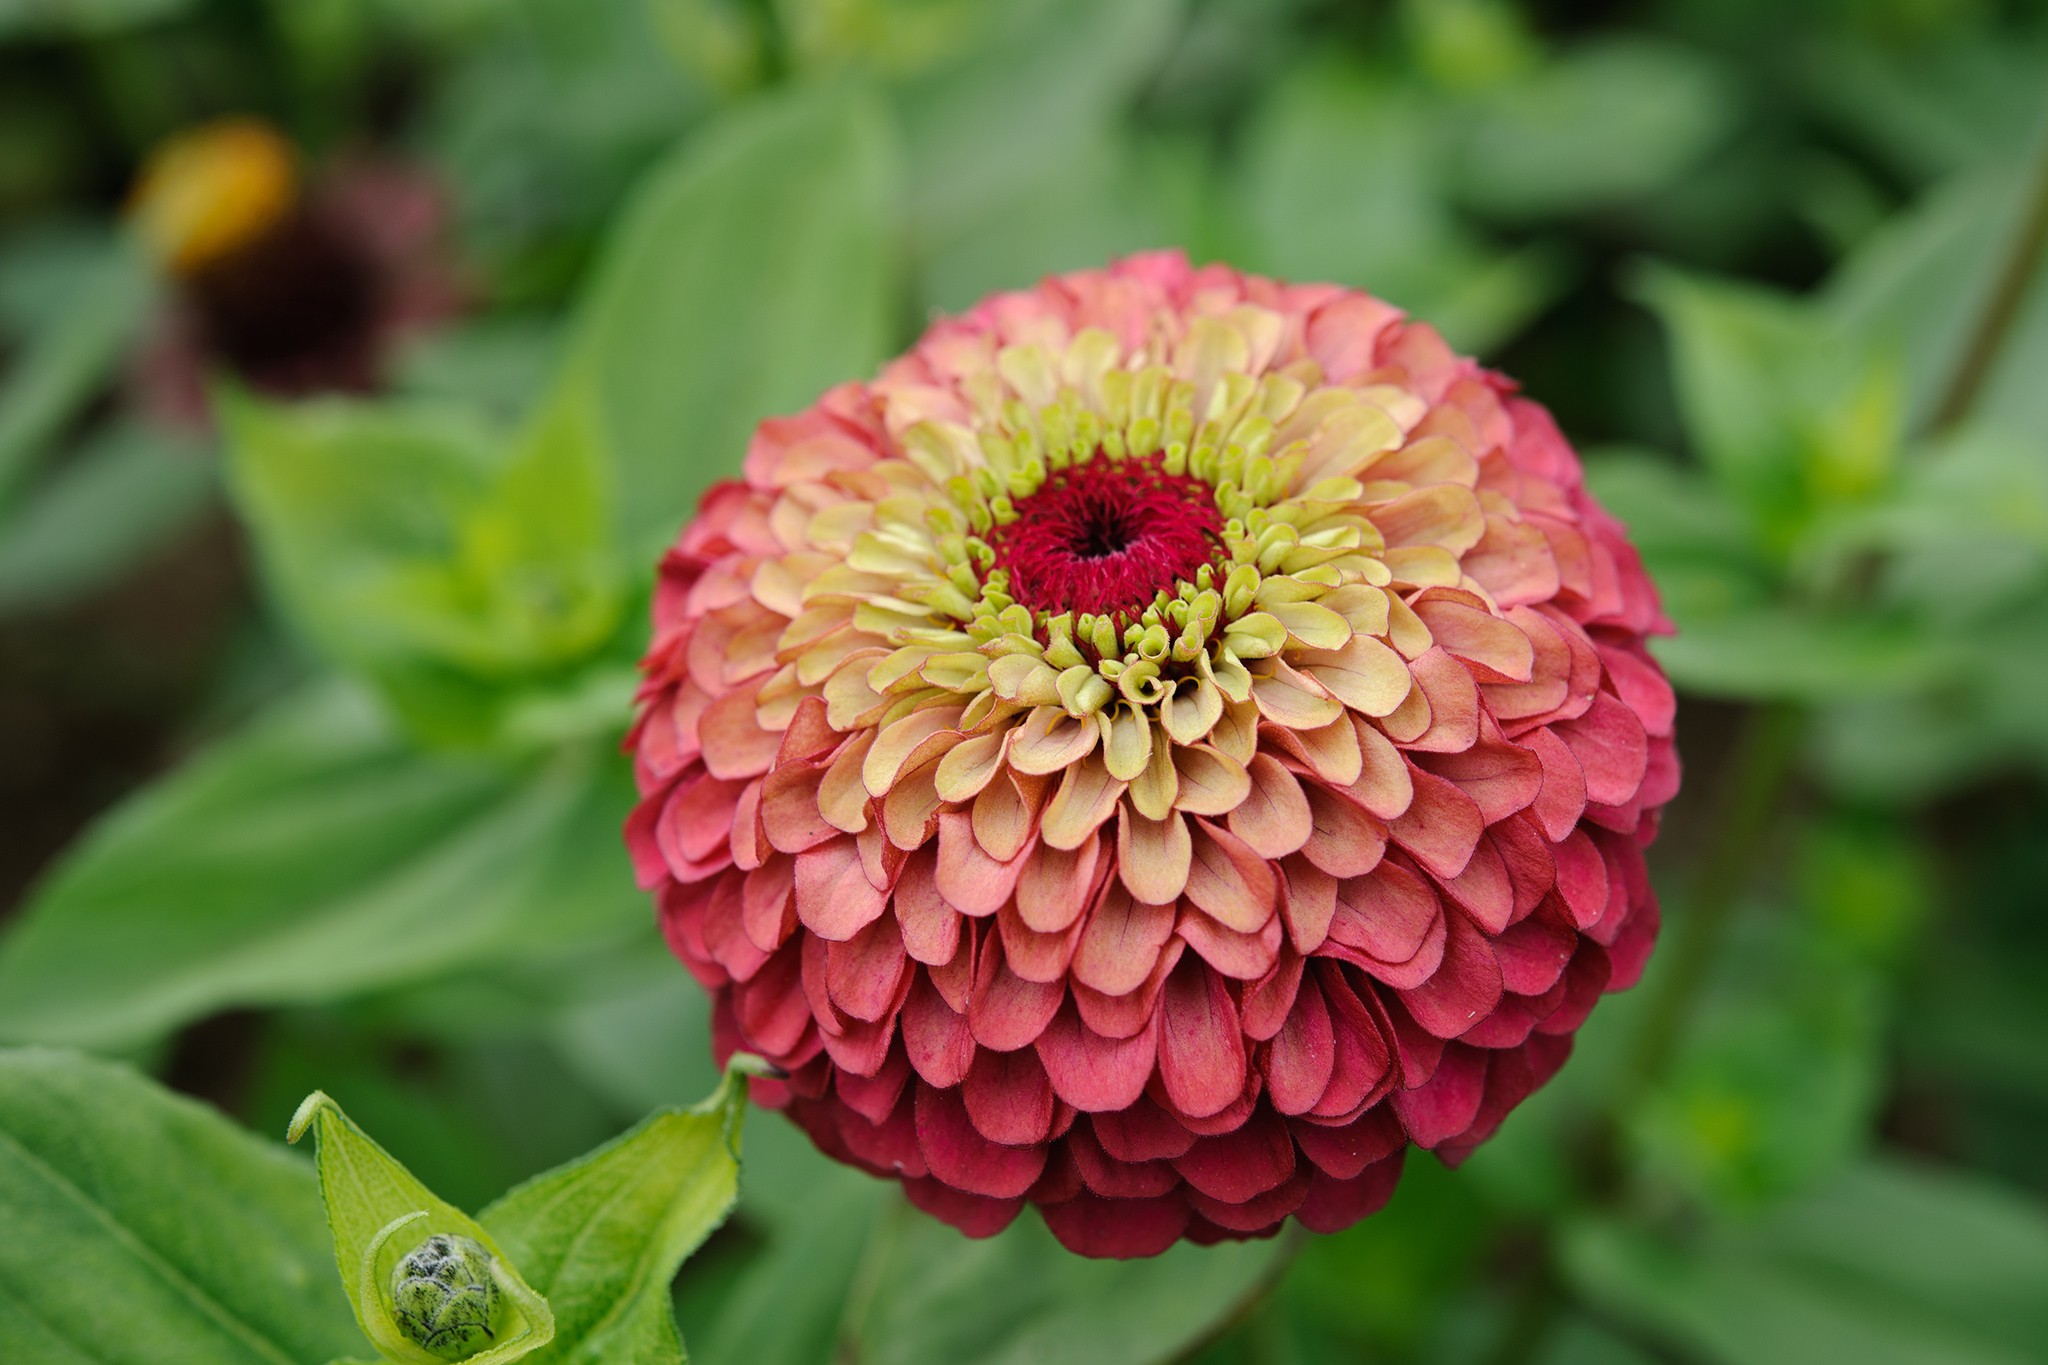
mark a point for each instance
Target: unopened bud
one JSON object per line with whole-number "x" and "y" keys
{"x": 445, "y": 1298}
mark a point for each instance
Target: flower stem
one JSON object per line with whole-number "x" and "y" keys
{"x": 2002, "y": 307}
{"x": 1758, "y": 771}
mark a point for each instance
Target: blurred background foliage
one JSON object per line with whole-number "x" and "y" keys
{"x": 336, "y": 450}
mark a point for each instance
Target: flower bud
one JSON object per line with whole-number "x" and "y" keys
{"x": 446, "y": 1298}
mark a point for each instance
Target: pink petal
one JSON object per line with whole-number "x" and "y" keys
{"x": 1441, "y": 827}
{"x": 1054, "y": 886}
{"x": 1274, "y": 818}
{"x": 864, "y": 972}
{"x": 1581, "y": 878}
{"x": 1502, "y": 778}
{"x": 1234, "y": 1167}
{"x": 971, "y": 881}
{"x": 1533, "y": 952}
{"x": 1563, "y": 798}
{"x": 834, "y": 897}
{"x": 1344, "y": 1151}
{"x": 1121, "y": 1016}
{"x": 935, "y": 1037}
{"x": 1201, "y": 1050}
{"x": 1241, "y": 957}
{"x": 1387, "y": 915}
{"x": 1363, "y": 1067}
{"x": 957, "y": 1153}
{"x": 1260, "y": 1213}
{"x": 735, "y": 745}
{"x": 1483, "y": 888}
{"x": 973, "y": 1214}
{"x": 1333, "y": 1205}
{"x": 1141, "y": 1132}
{"x": 1347, "y": 841}
{"x": 1446, "y": 1105}
{"x": 1152, "y": 856}
{"x": 1118, "y": 1228}
{"x": 1230, "y": 882}
{"x": 1268, "y": 1001}
{"x": 1007, "y": 1012}
{"x": 1308, "y": 900}
{"x": 1303, "y": 1054}
{"x": 1453, "y": 703}
{"x": 1114, "y": 1179}
{"x": 1091, "y": 1072}
{"x": 930, "y": 927}
{"x": 1463, "y": 989}
{"x": 1008, "y": 1097}
{"x": 1121, "y": 943}
{"x": 1611, "y": 748}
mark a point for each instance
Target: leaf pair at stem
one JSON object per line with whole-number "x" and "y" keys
{"x": 573, "y": 1265}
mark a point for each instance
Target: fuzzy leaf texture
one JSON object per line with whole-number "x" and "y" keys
{"x": 145, "y": 1229}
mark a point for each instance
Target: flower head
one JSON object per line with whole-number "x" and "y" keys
{"x": 1168, "y": 744}
{"x": 299, "y": 284}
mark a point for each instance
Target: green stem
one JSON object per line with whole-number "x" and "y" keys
{"x": 2001, "y": 309}
{"x": 1757, "y": 774}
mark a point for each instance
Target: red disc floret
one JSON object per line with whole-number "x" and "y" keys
{"x": 1107, "y": 536}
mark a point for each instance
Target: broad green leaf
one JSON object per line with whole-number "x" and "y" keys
{"x": 853, "y": 1273}
{"x": 1925, "y": 281}
{"x": 1890, "y": 1265}
{"x": 66, "y": 362}
{"x": 794, "y": 1302}
{"x": 1604, "y": 122}
{"x": 1046, "y": 85}
{"x": 1020, "y": 1297}
{"x": 1768, "y": 651}
{"x": 313, "y": 856}
{"x": 377, "y": 1213}
{"x": 123, "y": 497}
{"x": 143, "y": 1228}
{"x": 1345, "y": 179}
{"x": 750, "y": 273}
{"x": 603, "y": 1236}
{"x": 81, "y": 18}
{"x": 413, "y": 549}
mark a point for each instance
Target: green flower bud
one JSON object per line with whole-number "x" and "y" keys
{"x": 445, "y": 1297}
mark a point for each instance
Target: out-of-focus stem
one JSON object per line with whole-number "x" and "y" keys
{"x": 1756, "y": 779}
{"x": 2002, "y": 306}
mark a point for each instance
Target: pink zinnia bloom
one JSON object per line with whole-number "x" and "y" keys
{"x": 1168, "y": 744}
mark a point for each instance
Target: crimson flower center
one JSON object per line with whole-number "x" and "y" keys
{"x": 1107, "y": 537}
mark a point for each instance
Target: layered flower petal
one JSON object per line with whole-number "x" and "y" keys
{"x": 1168, "y": 745}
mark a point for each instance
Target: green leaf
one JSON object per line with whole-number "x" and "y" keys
{"x": 1890, "y": 1265}
{"x": 587, "y": 1251}
{"x": 313, "y": 856}
{"x": 64, "y": 364}
{"x": 1043, "y": 89}
{"x": 145, "y": 1229}
{"x": 1924, "y": 281}
{"x": 603, "y": 1236}
{"x": 1608, "y": 121}
{"x": 852, "y": 1268}
{"x": 127, "y": 494}
{"x": 81, "y": 18}
{"x": 377, "y": 1213}
{"x": 416, "y": 548}
{"x": 750, "y": 273}
{"x": 1335, "y": 148}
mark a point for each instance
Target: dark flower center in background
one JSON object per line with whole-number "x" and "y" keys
{"x": 1107, "y": 536}
{"x": 294, "y": 304}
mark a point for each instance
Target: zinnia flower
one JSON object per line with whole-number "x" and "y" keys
{"x": 298, "y": 289}
{"x": 1170, "y": 743}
